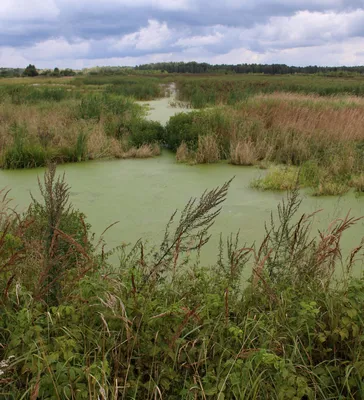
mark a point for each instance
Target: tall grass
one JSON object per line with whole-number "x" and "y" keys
{"x": 140, "y": 88}
{"x": 73, "y": 130}
{"x": 160, "y": 326}
{"x": 214, "y": 90}
{"x": 323, "y": 138}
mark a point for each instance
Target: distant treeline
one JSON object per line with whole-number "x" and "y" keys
{"x": 31, "y": 71}
{"x": 187, "y": 68}
{"x": 11, "y": 72}
{"x": 272, "y": 69}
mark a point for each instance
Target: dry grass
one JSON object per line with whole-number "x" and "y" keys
{"x": 144, "y": 151}
{"x": 357, "y": 182}
{"x": 313, "y": 99}
{"x": 243, "y": 153}
{"x": 55, "y": 124}
{"x": 99, "y": 145}
{"x": 208, "y": 150}
{"x": 330, "y": 188}
{"x": 183, "y": 154}
{"x": 310, "y": 115}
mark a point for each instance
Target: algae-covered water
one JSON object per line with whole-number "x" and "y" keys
{"x": 143, "y": 193}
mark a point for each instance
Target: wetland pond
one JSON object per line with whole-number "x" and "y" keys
{"x": 143, "y": 193}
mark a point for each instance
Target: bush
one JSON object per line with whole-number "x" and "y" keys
{"x": 142, "y": 131}
{"x": 183, "y": 127}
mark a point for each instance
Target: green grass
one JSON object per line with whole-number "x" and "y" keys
{"x": 278, "y": 178}
{"x": 211, "y": 90}
{"x": 140, "y": 88}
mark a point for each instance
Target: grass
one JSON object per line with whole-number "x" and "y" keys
{"x": 159, "y": 325}
{"x": 215, "y": 90}
{"x": 278, "y": 178}
{"x": 243, "y": 153}
{"x": 139, "y": 87}
{"x": 40, "y": 125}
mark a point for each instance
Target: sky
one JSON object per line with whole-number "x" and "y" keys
{"x": 85, "y": 33}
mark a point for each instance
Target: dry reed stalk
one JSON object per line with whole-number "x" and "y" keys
{"x": 98, "y": 144}
{"x": 208, "y": 150}
{"x": 182, "y": 154}
{"x": 326, "y": 101}
{"x": 243, "y": 153}
{"x": 144, "y": 151}
{"x": 115, "y": 148}
{"x": 357, "y": 182}
{"x": 330, "y": 123}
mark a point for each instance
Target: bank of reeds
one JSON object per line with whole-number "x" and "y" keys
{"x": 72, "y": 130}
{"x": 159, "y": 326}
{"x": 324, "y": 139}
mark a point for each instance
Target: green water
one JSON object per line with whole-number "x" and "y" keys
{"x": 142, "y": 194}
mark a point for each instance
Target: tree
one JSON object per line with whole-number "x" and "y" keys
{"x": 56, "y": 72}
{"x": 30, "y": 70}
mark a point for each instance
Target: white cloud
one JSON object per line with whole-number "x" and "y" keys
{"x": 196, "y": 41}
{"x": 151, "y": 37}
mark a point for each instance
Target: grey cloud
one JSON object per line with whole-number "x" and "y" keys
{"x": 185, "y": 29}
{"x": 94, "y": 19}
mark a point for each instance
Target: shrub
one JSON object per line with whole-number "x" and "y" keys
{"x": 142, "y": 131}
{"x": 183, "y": 127}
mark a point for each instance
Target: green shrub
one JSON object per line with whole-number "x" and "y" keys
{"x": 142, "y": 131}
{"x": 183, "y": 127}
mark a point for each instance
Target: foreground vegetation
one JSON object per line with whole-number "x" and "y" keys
{"x": 74, "y": 326}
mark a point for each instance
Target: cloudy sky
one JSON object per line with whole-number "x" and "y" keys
{"x": 85, "y": 33}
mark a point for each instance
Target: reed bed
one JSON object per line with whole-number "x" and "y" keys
{"x": 71, "y": 128}
{"x": 278, "y": 128}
